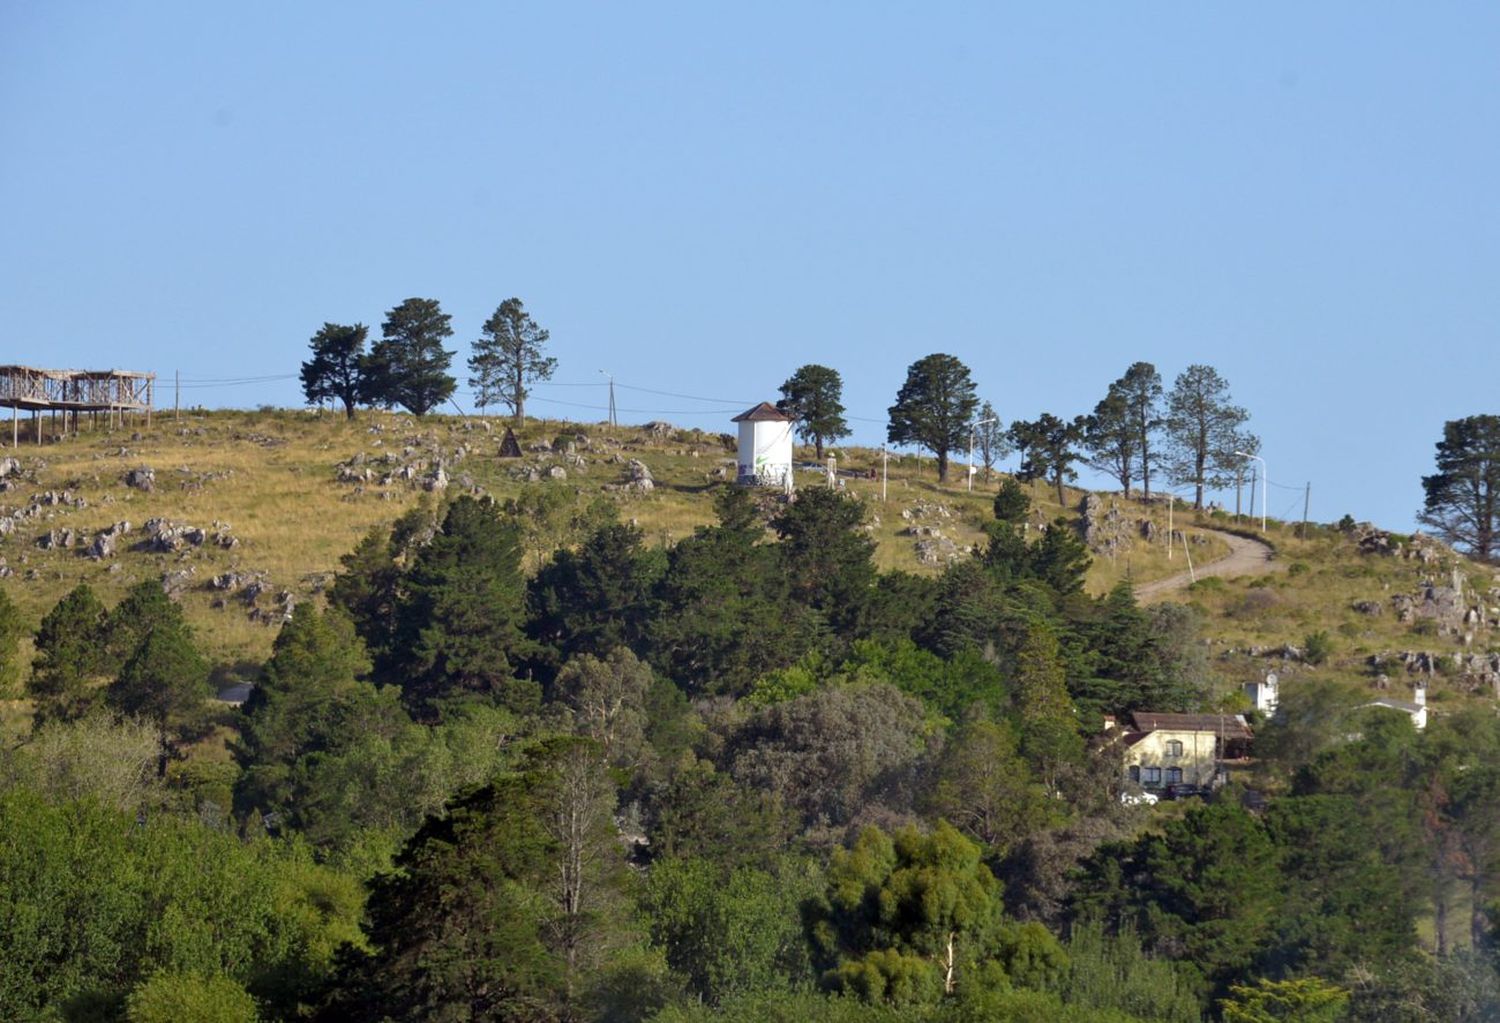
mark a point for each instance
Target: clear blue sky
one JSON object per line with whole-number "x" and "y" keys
{"x": 702, "y": 197}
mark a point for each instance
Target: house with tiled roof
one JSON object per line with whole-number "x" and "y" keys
{"x": 1159, "y": 750}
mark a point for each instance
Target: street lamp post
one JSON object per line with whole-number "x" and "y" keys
{"x": 973, "y": 427}
{"x": 1265, "y": 480}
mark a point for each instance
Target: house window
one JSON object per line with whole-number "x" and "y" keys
{"x": 1135, "y": 773}
{"x": 1174, "y": 748}
{"x": 1151, "y": 776}
{"x": 1174, "y": 776}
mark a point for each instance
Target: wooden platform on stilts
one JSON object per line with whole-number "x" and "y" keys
{"x": 69, "y": 394}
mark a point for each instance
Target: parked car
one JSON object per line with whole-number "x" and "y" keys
{"x": 1183, "y": 790}
{"x": 1138, "y": 797}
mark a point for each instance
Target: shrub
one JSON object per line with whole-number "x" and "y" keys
{"x": 1317, "y": 647}
{"x": 172, "y": 997}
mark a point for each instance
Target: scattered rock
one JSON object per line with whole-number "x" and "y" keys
{"x": 926, "y": 510}
{"x": 1372, "y": 608}
{"x": 57, "y": 539}
{"x": 557, "y": 472}
{"x": 56, "y": 499}
{"x": 175, "y": 583}
{"x": 939, "y": 550}
{"x": 103, "y": 544}
{"x": 142, "y": 478}
{"x": 163, "y": 536}
{"x": 9, "y": 467}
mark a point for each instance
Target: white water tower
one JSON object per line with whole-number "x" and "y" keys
{"x": 765, "y": 448}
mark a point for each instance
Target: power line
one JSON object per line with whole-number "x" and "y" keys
{"x": 241, "y": 380}
{"x": 736, "y": 402}
{"x": 641, "y": 411}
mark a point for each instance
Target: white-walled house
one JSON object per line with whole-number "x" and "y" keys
{"x": 765, "y": 447}
{"x": 1416, "y": 707}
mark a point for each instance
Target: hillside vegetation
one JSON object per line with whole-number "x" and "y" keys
{"x": 589, "y": 733}
{"x": 295, "y": 491}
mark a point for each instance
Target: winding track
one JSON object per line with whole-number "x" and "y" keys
{"x": 1245, "y": 557}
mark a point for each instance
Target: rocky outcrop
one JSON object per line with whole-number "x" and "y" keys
{"x": 163, "y": 536}
{"x": 1104, "y": 529}
{"x": 104, "y": 542}
{"x": 638, "y": 479}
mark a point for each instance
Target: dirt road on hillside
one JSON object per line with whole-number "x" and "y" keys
{"x": 1245, "y": 557}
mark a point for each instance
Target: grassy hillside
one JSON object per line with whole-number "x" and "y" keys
{"x": 293, "y": 491}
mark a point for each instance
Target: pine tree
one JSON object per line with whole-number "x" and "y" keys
{"x": 409, "y": 366}
{"x": 336, "y": 369}
{"x": 934, "y": 408}
{"x": 459, "y": 624}
{"x": 144, "y": 606}
{"x": 815, "y": 396}
{"x": 1119, "y": 434}
{"x": 1204, "y": 431}
{"x": 1049, "y": 447}
{"x": 1463, "y": 497}
{"x": 597, "y": 597}
{"x": 507, "y": 357}
{"x": 316, "y": 659}
{"x": 70, "y": 654}
{"x": 1049, "y": 727}
{"x": 12, "y": 630}
{"x": 827, "y": 558}
{"x": 165, "y": 679}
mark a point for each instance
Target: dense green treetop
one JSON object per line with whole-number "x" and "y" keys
{"x": 409, "y": 365}
{"x": 1462, "y": 499}
{"x": 337, "y": 367}
{"x": 815, "y": 396}
{"x": 934, "y": 408}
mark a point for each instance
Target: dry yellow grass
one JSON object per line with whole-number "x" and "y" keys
{"x": 271, "y": 477}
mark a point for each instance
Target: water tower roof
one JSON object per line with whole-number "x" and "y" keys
{"x": 765, "y": 412}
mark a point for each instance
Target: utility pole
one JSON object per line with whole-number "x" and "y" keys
{"x": 1306, "y": 503}
{"x": 177, "y": 395}
{"x": 1171, "y": 504}
{"x": 614, "y": 420}
{"x": 885, "y": 470}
